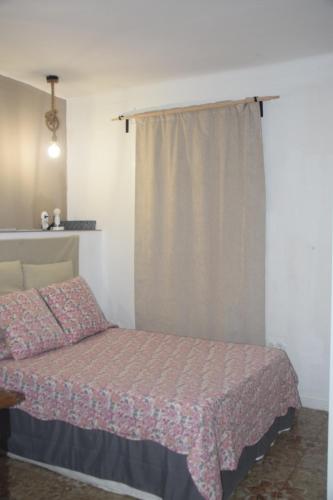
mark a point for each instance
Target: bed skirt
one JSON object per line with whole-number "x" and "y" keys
{"x": 143, "y": 465}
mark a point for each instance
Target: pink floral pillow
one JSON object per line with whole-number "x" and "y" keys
{"x": 29, "y": 325}
{"x": 4, "y": 349}
{"x": 75, "y": 307}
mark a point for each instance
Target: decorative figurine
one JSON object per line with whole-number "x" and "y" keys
{"x": 56, "y": 217}
{"x": 56, "y": 220}
{"x": 44, "y": 217}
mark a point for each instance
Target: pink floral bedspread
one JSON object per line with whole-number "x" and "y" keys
{"x": 205, "y": 399}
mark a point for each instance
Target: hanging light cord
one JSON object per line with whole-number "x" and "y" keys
{"x": 51, "y": 117}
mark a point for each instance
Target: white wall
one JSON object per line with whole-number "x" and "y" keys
{"x": 330, "y": 421}
{"x": 298, "y": 150}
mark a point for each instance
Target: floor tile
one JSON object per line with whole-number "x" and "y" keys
{"x": 295, "y": 467}
{"x": 311, "y": 481}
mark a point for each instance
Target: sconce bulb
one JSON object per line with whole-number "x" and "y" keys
{"x": 54, "y": 150}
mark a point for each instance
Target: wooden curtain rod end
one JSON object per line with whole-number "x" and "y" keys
{"x": 118, "y": 118}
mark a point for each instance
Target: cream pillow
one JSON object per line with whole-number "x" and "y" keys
{"x": 40, "y": 275}
{"x": 11, "y": 277}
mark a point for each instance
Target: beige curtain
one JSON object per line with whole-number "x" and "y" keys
{"x": 29, "y": 180}
{"x": 200, "y": 224}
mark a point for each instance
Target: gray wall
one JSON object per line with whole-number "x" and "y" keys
{"x": 29, "y": 180}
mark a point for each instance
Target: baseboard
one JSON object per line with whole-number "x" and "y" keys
{"x": 314, "y": 403}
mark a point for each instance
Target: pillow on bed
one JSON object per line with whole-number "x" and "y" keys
{"x": 75, "y": 307}
{"x": 4, "y": 349}
{"x": 11, "y": 276}
{"x": 29, "y": 325}
{"x": 38, "y": 276}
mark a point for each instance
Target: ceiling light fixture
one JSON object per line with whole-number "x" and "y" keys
{"x": 52, "y": 120}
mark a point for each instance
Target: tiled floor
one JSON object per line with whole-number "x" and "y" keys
{"x": 295, "y": 468}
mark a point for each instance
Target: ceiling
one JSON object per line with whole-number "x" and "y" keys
{"x": 100, "y": 45}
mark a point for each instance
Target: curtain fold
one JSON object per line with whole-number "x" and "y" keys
{"x": 200, "y": 224}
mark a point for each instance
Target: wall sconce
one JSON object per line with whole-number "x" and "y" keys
{"x": 52, "y": 120}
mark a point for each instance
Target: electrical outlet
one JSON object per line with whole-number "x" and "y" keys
{"x": 277, "y": 345}
{"x": 280, "y": 345}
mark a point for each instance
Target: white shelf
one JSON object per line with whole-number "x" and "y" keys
{"x": 14, "y": 231}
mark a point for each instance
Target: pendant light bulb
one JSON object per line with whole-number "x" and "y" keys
{"x": 54, "y": 150}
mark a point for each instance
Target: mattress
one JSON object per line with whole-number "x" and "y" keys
{"x": 206, "y": 400}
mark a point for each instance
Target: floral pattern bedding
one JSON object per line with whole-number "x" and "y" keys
{"x": 30, "y": 327}
{"x": 205, "y": 399}
{"x": 75, "y": 308}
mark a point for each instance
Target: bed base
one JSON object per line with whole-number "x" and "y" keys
{"x": 148, "y": 469}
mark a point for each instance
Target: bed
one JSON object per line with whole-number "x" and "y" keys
{"x": 161, "y": 414}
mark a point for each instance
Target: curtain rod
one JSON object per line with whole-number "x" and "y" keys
{"x": 198, "y": 107}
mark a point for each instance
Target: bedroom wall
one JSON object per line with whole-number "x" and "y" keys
{"x": 330, "y": 422}
{"x": 297, "y": 131}
{"x": 30, "y": 181}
